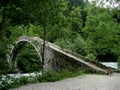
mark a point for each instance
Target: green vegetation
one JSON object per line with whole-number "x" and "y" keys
{"x": 48, "y": 76}
{"x": 76, "y": 25}
{"x": 28, "y": 60}
{"x": 102, "y": 34}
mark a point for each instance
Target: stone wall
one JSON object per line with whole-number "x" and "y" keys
{"x": 56, "y": 60}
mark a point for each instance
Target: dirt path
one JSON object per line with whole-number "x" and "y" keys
{"x": 83, "y": 82}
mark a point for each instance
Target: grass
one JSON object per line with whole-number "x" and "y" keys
{"x": 60, "y": 75}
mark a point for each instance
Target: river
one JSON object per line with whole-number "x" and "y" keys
{"x": 111, "y": 64}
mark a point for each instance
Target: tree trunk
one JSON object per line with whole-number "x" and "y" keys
{"x": 43, "y": 52}
{"x": 2, "y": 24}
{"x": 44, "y": 37}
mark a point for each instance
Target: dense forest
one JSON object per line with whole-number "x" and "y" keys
{"x": 90, "y": 29}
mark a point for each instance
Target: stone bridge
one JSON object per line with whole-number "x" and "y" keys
{"x": 55, "y": 57}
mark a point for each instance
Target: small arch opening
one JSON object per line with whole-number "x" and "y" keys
{"x": 25, "y": 58}
{"x": 107, "y": 57}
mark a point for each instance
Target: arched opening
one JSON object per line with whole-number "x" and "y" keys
{"x": 107, "y": 57}
{"x": 25, "y": 58}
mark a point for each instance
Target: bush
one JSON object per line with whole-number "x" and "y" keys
{"x": 80, "y": 46}
{"x": 91, "y": 56}
{"x": 77, "y": 45}
{"x": 62, "y": 74}
{"x": 47, "y": 76}
{"x": 3, "y": 61}
{"x": 28, "y": 59}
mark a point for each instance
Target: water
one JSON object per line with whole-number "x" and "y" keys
{"x": 111, "y": 64}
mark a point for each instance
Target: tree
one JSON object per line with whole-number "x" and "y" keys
{"x": 75, "y": 20}
{"x": 3, "y": 7}
{"x": 23, "y": 12}
{"x": 103, "y": 33}
{"x": 49, "y": 14}
{"x": 77, "y": 3}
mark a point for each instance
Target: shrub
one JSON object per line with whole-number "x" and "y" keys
{"x": 47, "y": 76}
{"x": 28, "y": 59}
{"x": 77, "y": 45}
{"x": 91, "y": 56}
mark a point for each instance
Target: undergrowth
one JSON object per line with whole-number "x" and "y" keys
{"x": 48, "y": 76}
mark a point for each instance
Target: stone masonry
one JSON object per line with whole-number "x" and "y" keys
{"x": 55, "y": 57}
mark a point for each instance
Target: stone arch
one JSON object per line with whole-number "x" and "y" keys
{"x": 52, "y": 55}
{"x": 19, "y": 43}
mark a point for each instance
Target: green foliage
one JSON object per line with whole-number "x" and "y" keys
{"x": 62, "y": 74}
{"x": 102, "y": 32}
{"x": 91, "y": 56}
{"x": 77, "y": 44}
{"x": 34, "y": 30}
{"x": 3, "y": 61}
{"x": 16, "y": 32}
{"x": 28, "y": 60}
{"x": 80, "y": 46}
{"x": 47, "y": 76}
{"x": 75, "y": 20}
{"x": 85, "y": 29}
{"x": 22, "y": 30}
{"x": 10, "y": 82}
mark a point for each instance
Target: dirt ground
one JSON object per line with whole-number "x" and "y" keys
{"x": 83, "y": 82}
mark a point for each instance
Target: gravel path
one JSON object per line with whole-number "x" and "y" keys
{"x": 83, "y": 82}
